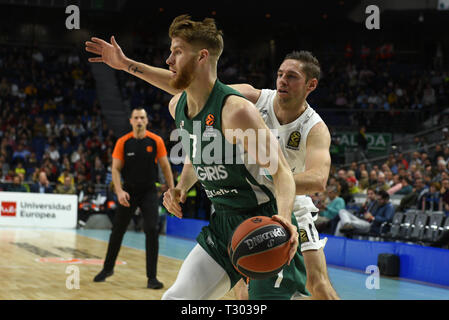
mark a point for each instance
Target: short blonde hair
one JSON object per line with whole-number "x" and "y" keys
{"x": 202, "y": 34}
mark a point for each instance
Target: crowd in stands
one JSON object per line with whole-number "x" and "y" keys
{"x": 54, "y": 139}
{"x": 377, "y": 88}
{"x": 419, "y": 179}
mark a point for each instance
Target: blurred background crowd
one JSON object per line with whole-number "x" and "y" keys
{"x": 384, "y": 97}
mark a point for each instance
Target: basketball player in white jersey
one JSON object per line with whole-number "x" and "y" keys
{"x": 303, "y": 137}
{"x": 305, "y": 140}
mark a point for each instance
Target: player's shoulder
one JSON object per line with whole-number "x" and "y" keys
{"x": 319, "y": 128}
{"x": 237, "y": 101}
{"x": 173, "y": 103}
{"x": 236, "y": 105}
{"x": 319, "y": 134}
{"x": 237, "y": 111}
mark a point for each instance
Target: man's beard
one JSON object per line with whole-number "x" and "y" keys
{"x": 184, "y": 76}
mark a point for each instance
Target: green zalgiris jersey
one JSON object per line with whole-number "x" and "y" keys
{"x": 230, "y": 182}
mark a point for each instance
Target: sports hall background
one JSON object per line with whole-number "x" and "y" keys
{"x": 61, "y": 115}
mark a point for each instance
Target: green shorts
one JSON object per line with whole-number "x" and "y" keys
{"x": 215, "y": 237}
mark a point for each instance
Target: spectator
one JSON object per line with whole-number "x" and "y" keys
{"x": 347, "y": 217}
{"x": 401, "y": 160}
{"x": 381, "y": 184}
{"x": 406, "y": 187}
{"x": 329, "y": 211}
{"x": 432, "y": 199}
{"x": 67, "y": 187}
{"x": 20, "y": 169}
{"x": 43, "y": 185}
{"x": 17, "y": 185}
{"x": 364, "y": 180}
{"x": 416, "y": 159}
{"x": 32, "y": 161}
{"x": 21, "y": 154}
{"x": 371, "y": 221}
{"x": 352, "y": 185}
{"x": 444, "y": 192}
{"x": 390, "y": 178}
{"x": 414, "y": 199}
{"x": 445, "y": 134}
{"x": 53, "y": 152}
{"x": 343, "y": 187}
{"x": 362, "y": 144}
{"x": 81, "y": 184}
{"x": 441, "y": 167}
{"x": 438, "y": 153}
{"x": 372, "y": 179}
{"x": 66, "y": 149}
{"x": 87, "y": 204}
{"x": 39, "y": 129}
{"x": 64, "y": 174}
{"x": 98, "y": 168}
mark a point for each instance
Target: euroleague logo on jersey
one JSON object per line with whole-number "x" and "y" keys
{"x": 8, "y": 209}
{"x": 210, "y": 120}
{"x": 294, "y": 140}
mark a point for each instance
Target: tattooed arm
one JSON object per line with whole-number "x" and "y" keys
{"x": 113, "y": 56}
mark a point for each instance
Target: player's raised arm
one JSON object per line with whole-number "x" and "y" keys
{"x": 112, "y": 55}
{"x": 250, "y": 93}
{"x": 240, "y": 117}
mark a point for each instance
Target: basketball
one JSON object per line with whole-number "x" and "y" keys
{"x": 259, "y": 247}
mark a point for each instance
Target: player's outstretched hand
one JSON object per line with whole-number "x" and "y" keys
{"x": 109, "y": 53}
{"x": 172, "y": 198}
{"x": 293, "y": 234}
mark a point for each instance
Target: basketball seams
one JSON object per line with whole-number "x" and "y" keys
{"x": 248, "y": 248}
{"x": 259, "y": 252}
{"x": 255, "y": 230}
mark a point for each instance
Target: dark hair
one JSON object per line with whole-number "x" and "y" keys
{"x": 138, "y": 109}
{"x": 407, "y": 180}
{"x": 383, "y": 194}
{"x": 311, "y": 65}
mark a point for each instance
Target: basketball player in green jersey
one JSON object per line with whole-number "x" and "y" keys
{"x": 297, "y": 77}
{"x": 235, "y": 186}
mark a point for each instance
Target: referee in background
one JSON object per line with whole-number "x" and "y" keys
{"x": 135, "y": 159}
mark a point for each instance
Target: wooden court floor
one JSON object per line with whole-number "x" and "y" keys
{"x": 49, "y": 264}
{"x": 60, "y": 265}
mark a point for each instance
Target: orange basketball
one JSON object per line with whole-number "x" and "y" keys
{"x": 259, "y": 247}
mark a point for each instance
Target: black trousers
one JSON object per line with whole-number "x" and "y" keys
{"x": 147, "y": 201}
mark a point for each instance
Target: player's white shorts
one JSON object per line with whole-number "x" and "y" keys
{"x": 306, "y": 213}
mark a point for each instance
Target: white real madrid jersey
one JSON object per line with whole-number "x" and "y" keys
{"x": 292, "y": 138}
